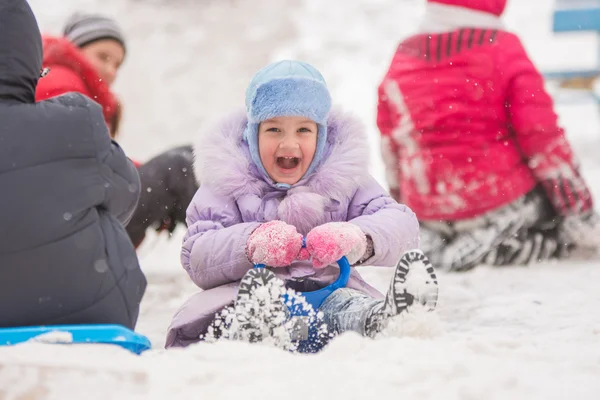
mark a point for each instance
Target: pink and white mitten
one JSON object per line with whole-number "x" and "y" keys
{"x": 327, "y": 243}
{"x": 274, "y": 243}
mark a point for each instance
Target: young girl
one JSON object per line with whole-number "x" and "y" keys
{"x": 287, "y": 168}
{"x": 87, "y": 60}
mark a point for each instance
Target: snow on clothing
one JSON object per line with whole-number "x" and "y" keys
{"x": 466, "y": 123}
{"x": 348, "y": 310}
{"x": 329, "y": 242}
{"x": 72, "y": 261}
{"x": 235, "y": 198}
{"x": 275, "y": 244}
{"x": 521, "y": 233}
{"x": 168, "y": 181}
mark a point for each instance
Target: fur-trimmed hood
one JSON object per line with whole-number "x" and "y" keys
{"x": 223, "y": 163}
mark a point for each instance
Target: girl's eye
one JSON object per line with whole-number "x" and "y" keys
{"x": 273, "y": 130}
{"x": 304, "y": 130}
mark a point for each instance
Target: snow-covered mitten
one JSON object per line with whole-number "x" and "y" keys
{"x": 579, "y": 236}
{"x": 274, "y": 243}
{"x": 414, "y": 282}
{"x": 581, "y": 230}
{"x": 327, "y": 243}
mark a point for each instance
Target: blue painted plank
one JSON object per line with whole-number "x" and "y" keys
{"x": 577, "y": 15}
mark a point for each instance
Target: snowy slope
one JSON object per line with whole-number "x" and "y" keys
{"x": 500, "y": 334}
{"x": 519, "y": 333}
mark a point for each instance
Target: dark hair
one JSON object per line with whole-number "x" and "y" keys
{"x": 113, "y": 127}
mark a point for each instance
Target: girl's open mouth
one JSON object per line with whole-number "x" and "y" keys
{"x": 288, "y": 162}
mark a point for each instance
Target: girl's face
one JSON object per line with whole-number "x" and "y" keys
{"x": 287, "y": 146}
{"x": 106, "y": 56}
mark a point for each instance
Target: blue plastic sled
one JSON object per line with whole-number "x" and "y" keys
{"x": 100, "y": 334}
{"x": 315, "y": 341}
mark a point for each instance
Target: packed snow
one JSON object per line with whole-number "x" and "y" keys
{"x": 499, "y": 333}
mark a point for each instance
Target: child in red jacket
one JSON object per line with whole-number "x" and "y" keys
{"x": 471, "y": 144}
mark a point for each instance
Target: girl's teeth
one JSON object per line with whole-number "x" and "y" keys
{"x": 287, "y": 162}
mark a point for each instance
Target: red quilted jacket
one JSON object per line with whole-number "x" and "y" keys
{"x": 71, "y": 72}
{"x": 467, "y": 126}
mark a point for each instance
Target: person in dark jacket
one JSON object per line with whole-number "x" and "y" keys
{"x": 67, "y": 190}
{"x": 87, "y": 60}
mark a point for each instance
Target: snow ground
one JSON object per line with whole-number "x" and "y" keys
{"x": 519, "y": 333}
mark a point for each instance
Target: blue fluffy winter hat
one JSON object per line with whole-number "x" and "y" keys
{"x": 287, "y": 88}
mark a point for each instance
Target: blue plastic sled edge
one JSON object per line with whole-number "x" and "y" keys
{"x": 316, "y": 298}
{"x": 101, "y": 334}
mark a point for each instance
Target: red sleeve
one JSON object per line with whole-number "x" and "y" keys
{"x": 541, "y": 140}
{"x": 387, "y": 118}
{"x": 60, "y": 80}
{"x": 384, "y": 114}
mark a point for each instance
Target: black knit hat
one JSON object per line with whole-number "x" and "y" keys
{"x": 83, "y": 29}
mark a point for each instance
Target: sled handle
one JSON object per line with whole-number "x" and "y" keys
{"x": 340, "y": 282}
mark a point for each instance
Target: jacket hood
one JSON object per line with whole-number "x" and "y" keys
{"x": 223, "y": 162}
{"x": 20, "y": 52}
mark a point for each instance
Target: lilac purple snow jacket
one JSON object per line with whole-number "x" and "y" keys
{"x": 234, "y": 198}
